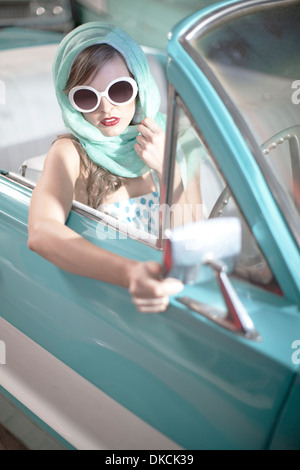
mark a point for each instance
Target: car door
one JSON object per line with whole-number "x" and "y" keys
{"x": 209, "y": 139}
{"x": 185, "y": 378}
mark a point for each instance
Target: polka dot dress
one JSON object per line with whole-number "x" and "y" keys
{"x": 142, "y": 212}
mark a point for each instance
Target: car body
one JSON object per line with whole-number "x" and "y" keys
{"x": 80, "y": 364}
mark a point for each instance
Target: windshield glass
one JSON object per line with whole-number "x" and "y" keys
{"x": 256, "y": 58}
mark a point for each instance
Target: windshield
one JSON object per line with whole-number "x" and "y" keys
{"x": 256, "y": 58}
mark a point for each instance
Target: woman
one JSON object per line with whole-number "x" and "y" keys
{"x": 104, "y": 87}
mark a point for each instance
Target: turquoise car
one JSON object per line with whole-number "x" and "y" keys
{"x": 80, "y": 367}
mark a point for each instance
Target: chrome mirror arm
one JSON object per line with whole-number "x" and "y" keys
{"x": 241, "y": 320}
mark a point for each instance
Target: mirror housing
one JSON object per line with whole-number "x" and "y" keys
{"x": 216, "y": 243}
{"x": 190, "y": 246}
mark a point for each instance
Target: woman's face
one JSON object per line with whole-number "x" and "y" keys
{"x": 111, "y": 120}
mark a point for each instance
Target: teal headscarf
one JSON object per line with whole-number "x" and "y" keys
{"x": 116, "y": 154}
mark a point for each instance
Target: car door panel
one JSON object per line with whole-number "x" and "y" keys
{"x": 194, "y": 376}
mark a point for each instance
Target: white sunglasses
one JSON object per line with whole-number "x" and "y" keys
{"x": 120, "y": 91}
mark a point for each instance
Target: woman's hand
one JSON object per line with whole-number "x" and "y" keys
{"x": 150, "y": 145}
{"x": 150, "y": 293}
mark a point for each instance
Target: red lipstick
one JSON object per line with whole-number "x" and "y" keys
{"x": 108, "y": 122}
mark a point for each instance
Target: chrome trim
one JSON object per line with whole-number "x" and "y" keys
{"x": 292, "y": 136}
{"x": 235, "y": 10}
{"x": 238, "y": 319}
{"x": 220, "y": 203}
{"x": 177, "y": 102}
{"x": 120, "y": 227}
{"x": 166, "y": 190}
{"x": 202, "y": 27}
{"x": 20, "y": 179}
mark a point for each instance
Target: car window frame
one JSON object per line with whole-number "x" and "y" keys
{"x": 121, "y": 228}
{"x": 177, "y": 104}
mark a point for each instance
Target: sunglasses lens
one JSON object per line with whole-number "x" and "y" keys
{"x": 120, "y": 92}
{"x": 85, "y": 99}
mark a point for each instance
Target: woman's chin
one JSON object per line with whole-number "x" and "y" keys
{"x": 111, "y": 131}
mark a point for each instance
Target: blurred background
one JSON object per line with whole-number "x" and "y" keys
{"x": 147, "y": 21}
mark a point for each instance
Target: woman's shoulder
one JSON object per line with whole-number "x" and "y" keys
{"x": 66, "y": 145}
{"x": 64, "y": 153}
{"x": 67, "y": 141}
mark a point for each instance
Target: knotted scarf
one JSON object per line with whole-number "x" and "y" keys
{"x": 116, "y": 154}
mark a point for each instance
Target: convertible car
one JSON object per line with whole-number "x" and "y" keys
{"x": 80, "y": 367}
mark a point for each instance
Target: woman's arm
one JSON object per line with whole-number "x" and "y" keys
{"x": 52, "y": 239}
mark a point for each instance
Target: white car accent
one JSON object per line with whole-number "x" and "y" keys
{"x": 78, "y": 411}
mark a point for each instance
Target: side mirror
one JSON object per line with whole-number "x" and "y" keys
{"x": 216, "y": 243}
{"x": 190, "y": 246}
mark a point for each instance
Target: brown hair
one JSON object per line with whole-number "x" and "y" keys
{"x": 99, "y": 181}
